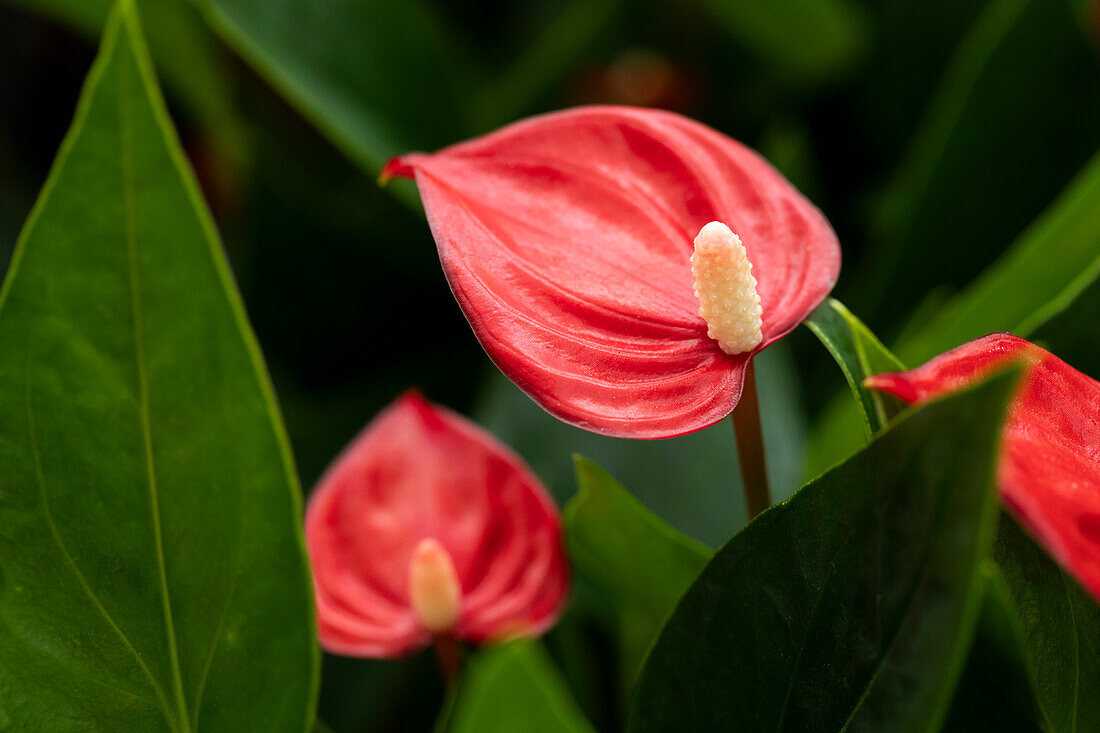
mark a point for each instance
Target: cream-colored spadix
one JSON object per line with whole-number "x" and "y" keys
{"x": 434, "y": 590}
{"x": 726, "y": 289}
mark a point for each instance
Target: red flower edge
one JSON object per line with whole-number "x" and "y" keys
{"x": 1049, "y": 472}
{"x": 421, "y": 476}
{"x": 566, "y": 239}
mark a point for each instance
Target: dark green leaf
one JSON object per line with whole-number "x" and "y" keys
{"x": 852, "y": 605}
{"x": 1056, "y": 259}
{"x": 638, "y": 562}
{"x": 1039, "y": 279}
{"x": 691, "y": 482}
{"x": 994, "y": 692}
{"x": 995, "y": 146}
{"x": 153, "y": 572}
{"x": 1059, "y": 628}
{"x": 379, "y": 78}
{"x": 859, "y": 354}
{"x": 514, "y": 687}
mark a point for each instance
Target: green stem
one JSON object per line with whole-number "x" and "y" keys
{"x": 750, "y": 447}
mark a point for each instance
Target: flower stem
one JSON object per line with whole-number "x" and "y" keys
{"x": 750, "y": 447}
{"x": 449, "y": 656}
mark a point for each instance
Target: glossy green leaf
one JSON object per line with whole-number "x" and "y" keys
{"x": 1055, "y": 260}
{"x": 638, "y": 562}
{"x": 514, "y": 687}
{"x": 851, "y": 606}
{"x": 1059, "y": 628}
{"x": 995, "y": 146}
{"x": 707, "y": 501}
{"x": 375, "y": 76}
{"x": 803, "y": 40}
{"x": 152, "y": 564}
{"x": 859, "y": 354}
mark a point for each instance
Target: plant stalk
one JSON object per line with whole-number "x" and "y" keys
{"x": 750, "y": 446}
{"x": 449, "y": 657}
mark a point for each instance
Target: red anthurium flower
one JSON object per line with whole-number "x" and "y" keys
{"x": 567, "y": 240}
{"x": 427, "y": 526}
{"x": 1049, "y": 474}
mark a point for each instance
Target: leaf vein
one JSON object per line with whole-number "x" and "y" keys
{"x": 129, "y": 208}
{"x": 216, "y": 642}
{"x": 810, "y": 623}
{"x": 59, "y": 541}
{"x": 1076, "y": 651}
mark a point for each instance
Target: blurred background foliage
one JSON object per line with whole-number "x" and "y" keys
{"x": 933, "y": 133}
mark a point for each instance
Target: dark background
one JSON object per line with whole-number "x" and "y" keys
{"x": 930, "y": 132}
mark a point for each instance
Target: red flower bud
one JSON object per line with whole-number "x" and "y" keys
{"x": 567, "y": 240}
{"x": 1049, "y": 472}
{"x": 425, "y": 526}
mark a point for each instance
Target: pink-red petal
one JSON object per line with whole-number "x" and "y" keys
{"x": 419, "y": 471}
{"x": 1049, "y": 474}
{"x": 566, "y": 239}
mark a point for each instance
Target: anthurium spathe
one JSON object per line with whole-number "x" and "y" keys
{"x": 1049, "y": 473}
{"x": 568, "y": 242}
{"x": 428, "y": 527}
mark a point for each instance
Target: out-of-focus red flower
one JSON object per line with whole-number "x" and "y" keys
{"x": 1049, "y": 473}
{"x": 641, "y": 77}
{"x": 427, "y": 526}
{"x": 567, "y": 240}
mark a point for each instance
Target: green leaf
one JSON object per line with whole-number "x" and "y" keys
{"x": 1047, "y": 267}
{"x": 1059, "y": 631}
{"x": 994, "y": 148}
{"x": 994, "y": 692}
{"x": 852, "y": 605}
{"x": 691, "y": 482}
{"x": 373, "y": 75}
{"x": 638, "y": 562}
{"x": 515, "y": 687}
{"x": 152, "y": 563}
{"x": 1046, "y": 284}
{"x": 803, "y": 40}
{"x": 859, "y": 354}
